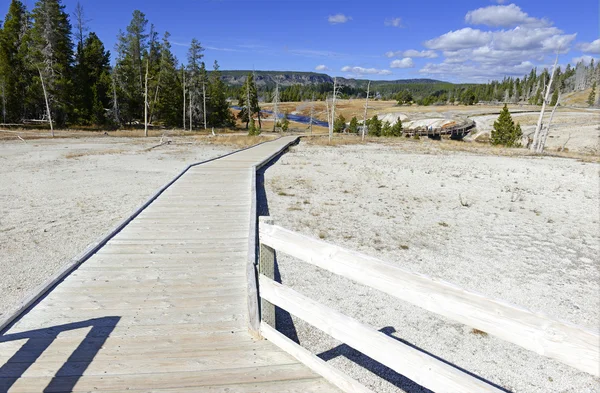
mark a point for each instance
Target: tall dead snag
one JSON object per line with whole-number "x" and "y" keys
{"x": 544, "y": 134}
{"x": 204, "y": 102}
{"x": 365, "y": 114}
{"x": 47, "y": 102}
{"x": 276, "y": 106}
{"x": 332, "y": 117}
{"x": 146, "y": 99}
{"x": 3, "y": 102}
{"x": 535, "y": 145}
{"x": 183, "y": 78}
{"x": 312, "y": 113}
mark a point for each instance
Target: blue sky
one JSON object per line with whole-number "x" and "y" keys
{"x": 457, "y": 41}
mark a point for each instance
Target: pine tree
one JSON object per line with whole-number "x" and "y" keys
{"x": 219, "y": 114}
{"x": 15, "y": 76}
{"x": 505, "y": 131}
{"x": 386, "y": 129}
{"x": 95, "y": 62}
{"x": 285, "y": 123}
{"x": 374, "y": 126}
{"x": 194, "y": 83}
{"x": 339, "y": 124}
{"x": 554, "y": 98}
{"x": 51, "y": 55}
{"x": 592, "y": 97}
{"x": 353, "y": 127}
{"x": 130, "y": 71}
{"x": 248, "y": 92}
{"x": 167, "y": 100}
{"x": 397, "y": 128}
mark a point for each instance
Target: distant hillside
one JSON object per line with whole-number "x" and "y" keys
{"x": 289, "y": 78}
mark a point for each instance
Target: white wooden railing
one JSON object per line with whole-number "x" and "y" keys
{"x": 570, "y": 344}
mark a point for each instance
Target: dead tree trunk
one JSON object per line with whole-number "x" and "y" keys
{"x": 365, "y": 114}
{"x": 544, "y": 135}
{"x": 332, "y": 109}
{"x": 3, "y": 103}
{"x": 47, "y": 103}
{"x": 115, "y": 99}
{"x": 204, "y": 103}
{"x": 146, "y": 100}
{"x": 312, "y": 112}
{"x": 535, "y": 145}
{"x": 183, "y": 77}
{"x": 248, "y": 105}
{"x": 191, "y": 109}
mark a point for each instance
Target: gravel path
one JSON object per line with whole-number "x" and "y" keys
{"x": 528, "y": 234}
{"x": 59, "y": 196}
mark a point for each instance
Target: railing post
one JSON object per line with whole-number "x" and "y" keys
{"x": 266, "y": 267}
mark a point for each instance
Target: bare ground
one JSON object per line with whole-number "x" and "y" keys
{"x": 521, "y": 229}
{"x": 58, "y": 196}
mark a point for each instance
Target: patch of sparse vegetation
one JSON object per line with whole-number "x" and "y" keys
{"x": 283, "y": 193}
{"x": 478, "y": 332}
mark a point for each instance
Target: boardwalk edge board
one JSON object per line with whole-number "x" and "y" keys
{"x": 94, "y": 247}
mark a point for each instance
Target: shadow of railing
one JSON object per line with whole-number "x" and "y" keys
{"x": 39, "y": 340}
{"x": 387, "y": 373}
{"x": 283, "y": 319}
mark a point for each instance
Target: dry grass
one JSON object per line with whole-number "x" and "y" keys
{"x": 355, "y": 107}
{"x": 337, "y": 140}
{"x": 93, "y": 153}
{"x": 240, "y": 141}
{"x": 577, "y": 98}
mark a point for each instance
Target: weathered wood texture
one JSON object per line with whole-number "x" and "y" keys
{"x": 314, "y": 362}
{"x": 420, "y": 367}
{"x": 161, "y": 305}
{"x": 570, "y": 344}
{"x": 267, "y": 268}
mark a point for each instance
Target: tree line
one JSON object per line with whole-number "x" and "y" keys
{"x": 525, "y": 90}
{"x": 53, "y": 68}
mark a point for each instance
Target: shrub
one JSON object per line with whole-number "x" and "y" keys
{"x": 339, "y": 124}
{"x": 505, "y": 131}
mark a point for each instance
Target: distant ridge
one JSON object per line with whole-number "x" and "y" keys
{"x": 288, "y": 78}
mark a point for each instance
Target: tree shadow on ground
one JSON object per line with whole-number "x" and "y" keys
{"x": 39, "y": 340}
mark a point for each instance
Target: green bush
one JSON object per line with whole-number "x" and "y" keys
{"x": 505, "y": 131}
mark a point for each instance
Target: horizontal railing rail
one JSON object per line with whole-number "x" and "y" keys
{"x": 568, "y": 343}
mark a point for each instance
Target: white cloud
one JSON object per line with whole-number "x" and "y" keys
{"x": 315, "y": 53}
{"x": 460, "y": 39}
{"x": 338, "y": 18}
{"x": 475, "y": 72}
{"x": 407, "y": 62}
{"x": 514, "y": 45}
{"x": 590, "y": 47}
{"x": 412, "y": 53}
{"x": 322, "y": 67}
{"x": 585, "y": 58}
{"x": 503, "y": 16}
{"x": 394, "y": 22}
{"x": 365, "y": 71}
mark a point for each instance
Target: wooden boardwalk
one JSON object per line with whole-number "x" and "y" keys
{"x": 162, "y": 307}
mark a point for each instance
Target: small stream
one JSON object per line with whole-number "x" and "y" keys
{"x": 296, "y": 118}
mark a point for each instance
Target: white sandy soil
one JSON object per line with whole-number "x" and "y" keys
{"x": 59, "y": 196}
{"x": 528, "y": 234}
{"x": 576, "y": 131}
